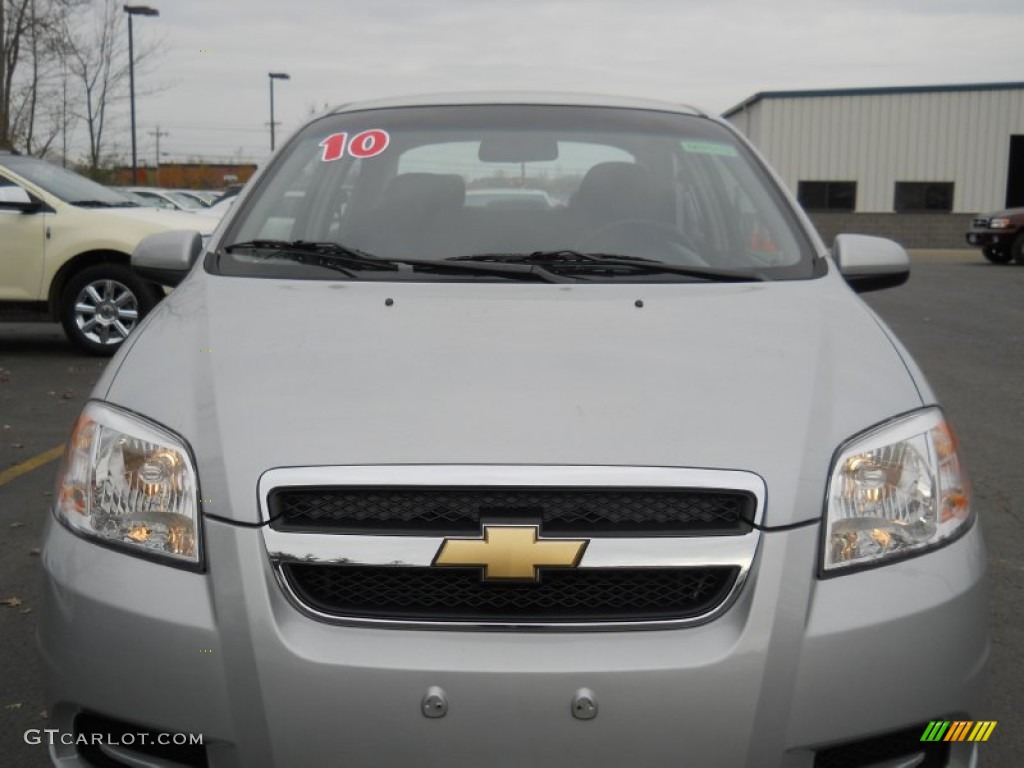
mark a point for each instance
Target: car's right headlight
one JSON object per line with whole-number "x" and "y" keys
{"x": 131, "y": 484}
{"x": 1001, "y": 223}
{"x": 895, "y": 491}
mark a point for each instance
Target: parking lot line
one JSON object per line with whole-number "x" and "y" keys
{"x": 34, "y": 463}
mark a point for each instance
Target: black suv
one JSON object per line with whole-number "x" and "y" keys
{"x": 999, "y": 235}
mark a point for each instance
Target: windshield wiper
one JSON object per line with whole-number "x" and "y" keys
{"x": 305, "y": 246}
{"x": 579, "y": 261}
{"x": 561, "y": 256}
{"x": 328, "y": 255}
{"x": 346, "y": 259}
{"x": 103, "y": 204}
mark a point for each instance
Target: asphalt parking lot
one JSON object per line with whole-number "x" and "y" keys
{"x": 962, "y": 319}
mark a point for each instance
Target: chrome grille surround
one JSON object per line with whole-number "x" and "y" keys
{"x": 602, "y": 552}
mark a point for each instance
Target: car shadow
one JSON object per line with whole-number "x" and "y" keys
{"x": 38, "y": 340}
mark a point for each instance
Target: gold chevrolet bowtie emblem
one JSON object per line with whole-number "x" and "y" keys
{"x": 511, "y": 552}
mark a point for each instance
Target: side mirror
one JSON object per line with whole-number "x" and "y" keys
{"x": 13, "y": 197}
{"x": 166, "y": 257}
{"x": 870, "y": 263}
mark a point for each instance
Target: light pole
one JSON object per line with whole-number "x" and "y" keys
{"x": 134, "y": 10}
{"x": 274, "y": 76}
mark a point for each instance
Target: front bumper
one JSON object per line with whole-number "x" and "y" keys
{"x": 795, "y": 665}
{"x": 1000, "y": 240}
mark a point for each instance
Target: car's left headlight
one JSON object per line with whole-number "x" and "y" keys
{"x": 129, "y": 483}
{"x": 1001, "y": 223}
{"x": 894, "y": 491}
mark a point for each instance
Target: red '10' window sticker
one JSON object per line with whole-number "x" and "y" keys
{"x": 363, "y": 145}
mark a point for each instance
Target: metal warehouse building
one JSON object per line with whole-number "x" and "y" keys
{"x": 909, "y": 163}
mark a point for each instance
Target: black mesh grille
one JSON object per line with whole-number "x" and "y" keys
{"x": 447, "y": 511}
{"x": 459, "y": 594}
{"x": 882, "y": 749}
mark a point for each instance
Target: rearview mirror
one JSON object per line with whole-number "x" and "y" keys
{"x": 870, "y": 263}
{"x": 166, "y": 257}
{"x": 518, "y": 148}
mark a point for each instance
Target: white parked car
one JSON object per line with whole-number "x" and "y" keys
{"x": 524, "y": 199}
{"x": 217, "y": 209}
{"x": 182, "y": 201}
{"x": 206, "y": 197}
{"x": 65, "y": 243}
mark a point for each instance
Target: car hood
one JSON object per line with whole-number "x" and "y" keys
{"x": 1007, "y": 212}
{"x": 258, "y": 373}
{"x": 158, "y": 217}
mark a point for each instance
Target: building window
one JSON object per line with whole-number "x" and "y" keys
{"x": 917, "y": 196}
{"x": 827, "y": 195}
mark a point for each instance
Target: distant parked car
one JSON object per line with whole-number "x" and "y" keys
{"x": 231, "y": 191}
{"x": 218, "y": 209}
{"x": 1000, "y": 235}
{"x": 522, "y": 199}
{"x": 65, "y": 243}
{"x": 178, "y": 200}
{"x": 204, "y": 196}
{"x": 145, "y": 200}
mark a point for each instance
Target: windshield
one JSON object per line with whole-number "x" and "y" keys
{"x": 62, "y": 183}
{"x": 502, "y": 182}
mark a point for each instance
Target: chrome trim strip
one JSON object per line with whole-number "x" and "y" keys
{"x": 342, "y": 549}
{"x": 419, "y": 551}
{"x": 689, "y": 552}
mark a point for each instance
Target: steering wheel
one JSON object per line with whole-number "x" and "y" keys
{"x": 646, "y": 238}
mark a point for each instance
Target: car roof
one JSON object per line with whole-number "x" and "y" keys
{"x": 523, "y": 98}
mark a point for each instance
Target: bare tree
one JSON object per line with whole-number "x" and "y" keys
{"x": 98, "y": 61}
{"x": 14, "y": 21}
{"x": 63, "y": 61}
{"x": 56, "y": 98}
{"x": 33, "y": 115}
{"x": 32, "y": 78}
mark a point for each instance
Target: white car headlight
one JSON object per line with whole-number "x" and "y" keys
{"x": 895, "y": 491}
{"x": 999, "y": 224}
{"x": 131, "y": 484}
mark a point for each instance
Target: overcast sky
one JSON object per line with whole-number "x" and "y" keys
{"x": 212, "y": 72}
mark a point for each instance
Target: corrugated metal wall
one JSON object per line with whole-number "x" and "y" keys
{"x": 879, "y": 139}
